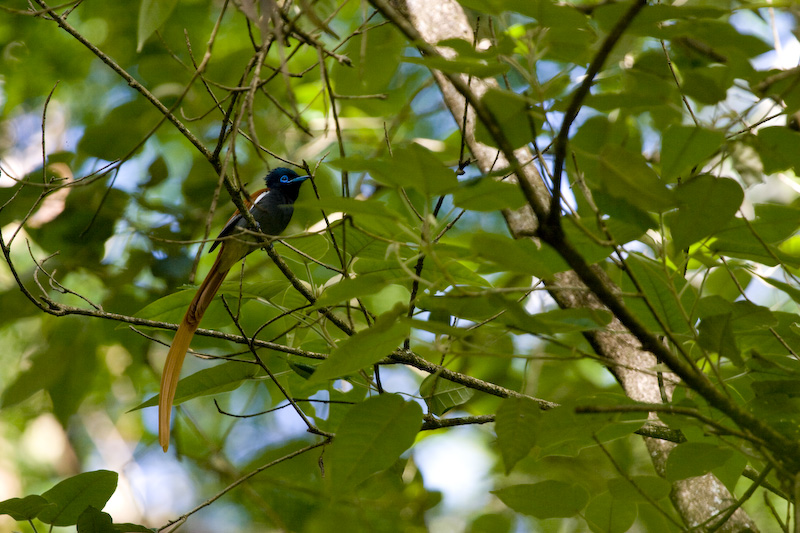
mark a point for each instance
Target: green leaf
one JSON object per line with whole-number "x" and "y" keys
{"x": 441, "y": 395}
{"x": 371, "y": 437}
{"x": 127, "y": 527}
{"x": 684, "y": 147}
{"x": 470, "y": 308}
{"x": 692, "y": 459}
{"x": 64, "y": 378}
{"x": 171, "y": 308}
{"x": 411, "y": 166}
{"x": 730, "y": 472}
{"x": 513, "y": 113}
{"x": 487, "y": 194}
{"x": 653, "y": 487}
{"x": 516, "y": 426}
{"x": 647, "y": 21}
{"x": 627, "y": 175}
{"x": 774, "y": 223}
{"x": 23, "y": 508}
{"x": 562, "y": 431}
{"x": 547, "y": 499}
{"x": 365, "y": 348}
{"x": 777, "y": 147}
{"x": 605, "y": 514}
{"x": 354, "y": 287}
{"x": 375, "y": 57}
{"x": 666, "y": 294}
{"x": 594, "y": 252}
{"x": 73, "y": 495}
{"x": 746, "y": 316}
{"x": 708, "y": 85}
{"x": 788, "y": 387}
{"x": 557, "y": 320}
{"x": 93, "y": 520}
{"x": 719, "y": 35}
{"x": 790, "y": 291}
{"x": 152, "y": 15}
{"x": 112, "y": 138}
{"x": 622, "y": 210}
{"x": 491, "y": 523}
{"x": 504, "y": 45}
{"x": 548, "y": 14}
{"x": 707, "y": 204}
{"x": 351, "y": 206}
{"x": 207, "y": 382}
{"x": 518, "y": 255}
{"x": 753, "y": 250}
{"x": 716, "y": 335}
{"x": 480, "y": 68}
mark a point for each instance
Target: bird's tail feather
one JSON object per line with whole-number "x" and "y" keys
{"x": 180, "y": 345}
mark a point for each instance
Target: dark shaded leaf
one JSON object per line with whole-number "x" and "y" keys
{"x": 516, "y": 426}
{"x": 93, "y": 520}
{"x": 653, "y": 487}
{"x": 716, "y": 335}
{"x": 707, "y": 204}
{"x": 547, "y": 499}
{"x": 371, "y": 438}
{"x": 605, "y": 514}
{"x": 518, "y": 255}
{"x": 684, "y": 147}
{"x": 486, "y": 194}
{"x": 692, "y": 459}
{"x": 514, "y": 113}
{"x": 152, "y": 14}
{"x": 23, "y": 508}
{"x": 627, "y": 175}
{"x": 73, "y": 495}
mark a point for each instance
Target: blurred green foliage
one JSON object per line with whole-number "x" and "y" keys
{"x": 683, "y": 210}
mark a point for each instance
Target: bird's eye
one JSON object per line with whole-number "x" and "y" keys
{"x": 284, "y": 179}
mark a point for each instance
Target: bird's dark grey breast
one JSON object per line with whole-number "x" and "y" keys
{"x": 272, "y": 211}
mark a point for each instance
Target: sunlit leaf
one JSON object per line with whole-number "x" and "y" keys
{"x": 216, "y": 380}
{"x": 441, "y": 395}
{"x": 365, "y": 347}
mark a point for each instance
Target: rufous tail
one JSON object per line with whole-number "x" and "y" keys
{"x": 180, "y": 345}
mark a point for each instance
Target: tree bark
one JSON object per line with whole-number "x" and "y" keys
{"x": 697, "y": 500}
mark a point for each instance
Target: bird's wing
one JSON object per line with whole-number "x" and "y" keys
{"x": 235, "y": 218}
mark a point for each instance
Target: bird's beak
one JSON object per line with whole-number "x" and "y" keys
{"x": 299, "y": 179}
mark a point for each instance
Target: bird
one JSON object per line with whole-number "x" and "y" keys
{"x": 272, "y": 209}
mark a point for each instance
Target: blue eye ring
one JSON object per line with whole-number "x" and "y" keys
{"x": 284, "y": 179}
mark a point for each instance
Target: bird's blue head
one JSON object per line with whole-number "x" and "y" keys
{"x": 285, "y": 180}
